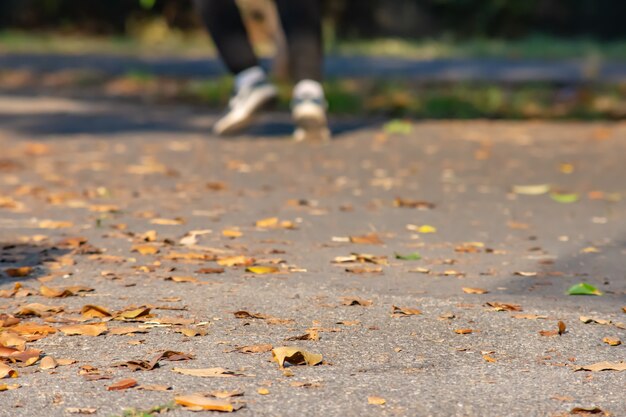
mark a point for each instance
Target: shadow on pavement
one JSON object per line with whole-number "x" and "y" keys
{"x": 25, "y": 261}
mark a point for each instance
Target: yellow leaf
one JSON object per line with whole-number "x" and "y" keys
{"x": 51, "y": 224}
{"x": 22, "y": 271}
{"x": 376, "y": 400}
{"x": 263, "y": 391}
{"x": 145, "y": 249}
{"x": 235, "y": 261}
{"x": 231, "y": 233}
{"x": 612, "y": 341}
{"x": 199, "y": 402}
{"x": 295, "y": 356}
{"x": 262, "y": 270}
{"x": 168, "y": 222}
{"x": 404, "y": 311}
{"x": 7, "y": 372}
{"x": 267, "y": 223}
{"x": 463, "y": 331}
{"x": 8, "y": 387}
{"x": 183, "y": 279}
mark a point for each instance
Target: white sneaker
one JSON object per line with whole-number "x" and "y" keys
{"x": 244, "y": 105}
{"x": 309, "y": 115}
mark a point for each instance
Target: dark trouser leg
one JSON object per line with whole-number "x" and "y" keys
{"x": 223, "y": 21}
{"x": 302, "y": 23}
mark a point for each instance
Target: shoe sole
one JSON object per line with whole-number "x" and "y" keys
{"x": 311, "y": 124}
{"x": 266, "y": 101}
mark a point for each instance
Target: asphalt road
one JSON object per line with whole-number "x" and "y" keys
{"x": 112, "y": 172}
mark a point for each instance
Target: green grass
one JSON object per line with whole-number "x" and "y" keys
{"x": 153, "y": 38}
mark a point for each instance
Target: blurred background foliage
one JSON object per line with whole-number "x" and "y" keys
{"x": 602, "y": 19}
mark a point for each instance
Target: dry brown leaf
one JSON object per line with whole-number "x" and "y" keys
{"x": 92, "y": 311}
{"x": 48, "y": 362}
{"x": 225, "y": 394}
{"x": 7, "y": 320}
{"x": 240, "y": 260}
{"x": 207, "y": 372}
{"x": 80, "y": 410}
{"x": 468, "y": 290}
{"x": 197, "y": 402}
{"x": 29, "y": 329}
{"x": 369, "y": 239}
{"x": 463, "y": 331}
{"x": 62, "y": 292}
{"x": 36, "y": 309}
{"x": 133, "y": 313}
{"x": 246, "y": 315}
{"x": 525, "y": 274}
{"x": 364, "y": 269}
{"x": 159, "y": 388}
{"x": 183, "y": 279}
{"x": 168, "y": 222}
{"x": 263, "y": 391}
{"x": 22, "y": 271}
{"x": 490, "y": 359}
{"x": 529, "y": 316}
{"x": 561, "y": 326}
{"x": 604, "y": 366}
{"x": 190, "y": 256}
{"x": 376, "y": 400}
{"x": 84, "y": 329}
{"x": 52, "y": 224}
{"x": 612, "y": 341}
{"x": 7, "y": 372}
{"x": 210, "y": 271}
{"x": 12, "y": 340}
{"x": 145, "y": 249}
{"x": 121, "y": 331}
{"x": 503, "y": 306}
{"x": 586, "y": 411}
{"x": 295, "y": 356}
{"x": 254, "y": 348}
{"x": 65, "y": 362}
{"x": 415, "y": 204}
{"x": 189, "y": 332}
{"x": 355, "y": 301}
{"x": 122, "y": 384}
{"x": 311, "y": 334}
{"x": 9, "y": 387}
{"x": 588, "y": 320}
{"x": 404, "y": 311}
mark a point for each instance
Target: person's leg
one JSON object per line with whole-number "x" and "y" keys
{"x": 302, "y": 23}
{"x": 223, "y": 21}
{"x": 252, "y": 89}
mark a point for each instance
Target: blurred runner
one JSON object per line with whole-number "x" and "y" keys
{"x": 301, "y": 21}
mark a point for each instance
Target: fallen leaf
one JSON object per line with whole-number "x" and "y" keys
{"x": 235, "y": 261}
{"x": 564, "y": 198}
{"x": 295, "y": 356}
{"x": 198, "y": 402}
{"x": 409, "y": 257}
{"x": 529, "y": 316}
{"x": 463, "y": 331}
{"x": 84, "y": 329}
{"x": 369, "y": 239}
{"x": 158, "y": 388}
{"x": 207, "y": 372}
{"x": 231, "y": 233}
{"x": 168, "y": 222}
{"x": 263, "y": 391}
{"x": 355, "y": 301}
{"x": 254, "y": 348}
{"x": 262, "y": 270}
{"x": 134, "y": 313}
{"x": 612, "y": 341}
{"x": 191, "y": 332}
{"x": 503, "y": 306}
{"x": 561, "y": 326}
{"x": 404, "y": 311}
{"x": 122, "y": 384}
{"x": 534, "y": 189}
{"x": 425, "y": 229}
{"x": 145, "y": 249}
{"x": 267, "y": 223}
{"x": 583, "y": 289}
{"x": 47, "y": 362}
{"x": 51, "y": 224}
{"x": 22, "y": 271}
{"x": 311, "y": 334}
{"x": 62, "y": 292}
{"x": 226, "y": 394}
{"x": 420, "y": 270}
{"x": 468, "y": 290}
{"x": 192, "y": 280}
{"x": 604, "y": 366}
{"x": 121, "y": 331}
{"x": 525, "y": 274}
{"x": 6, "y": 371}
{"x": 77, "y": 410}
{"x": 365, "y": 270}
{"x": 9, "y": 387}
{"x": 588, "y": 320}
{"x": 92, "y": 311}
{"x": 210, "y": 271}
{"x": 415, "y": 204}
{"x": 376, "y": 400}
{"x": 489, "y": 359}
{"x": 585, "y": 411}
{"x": 36, "y": 309}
